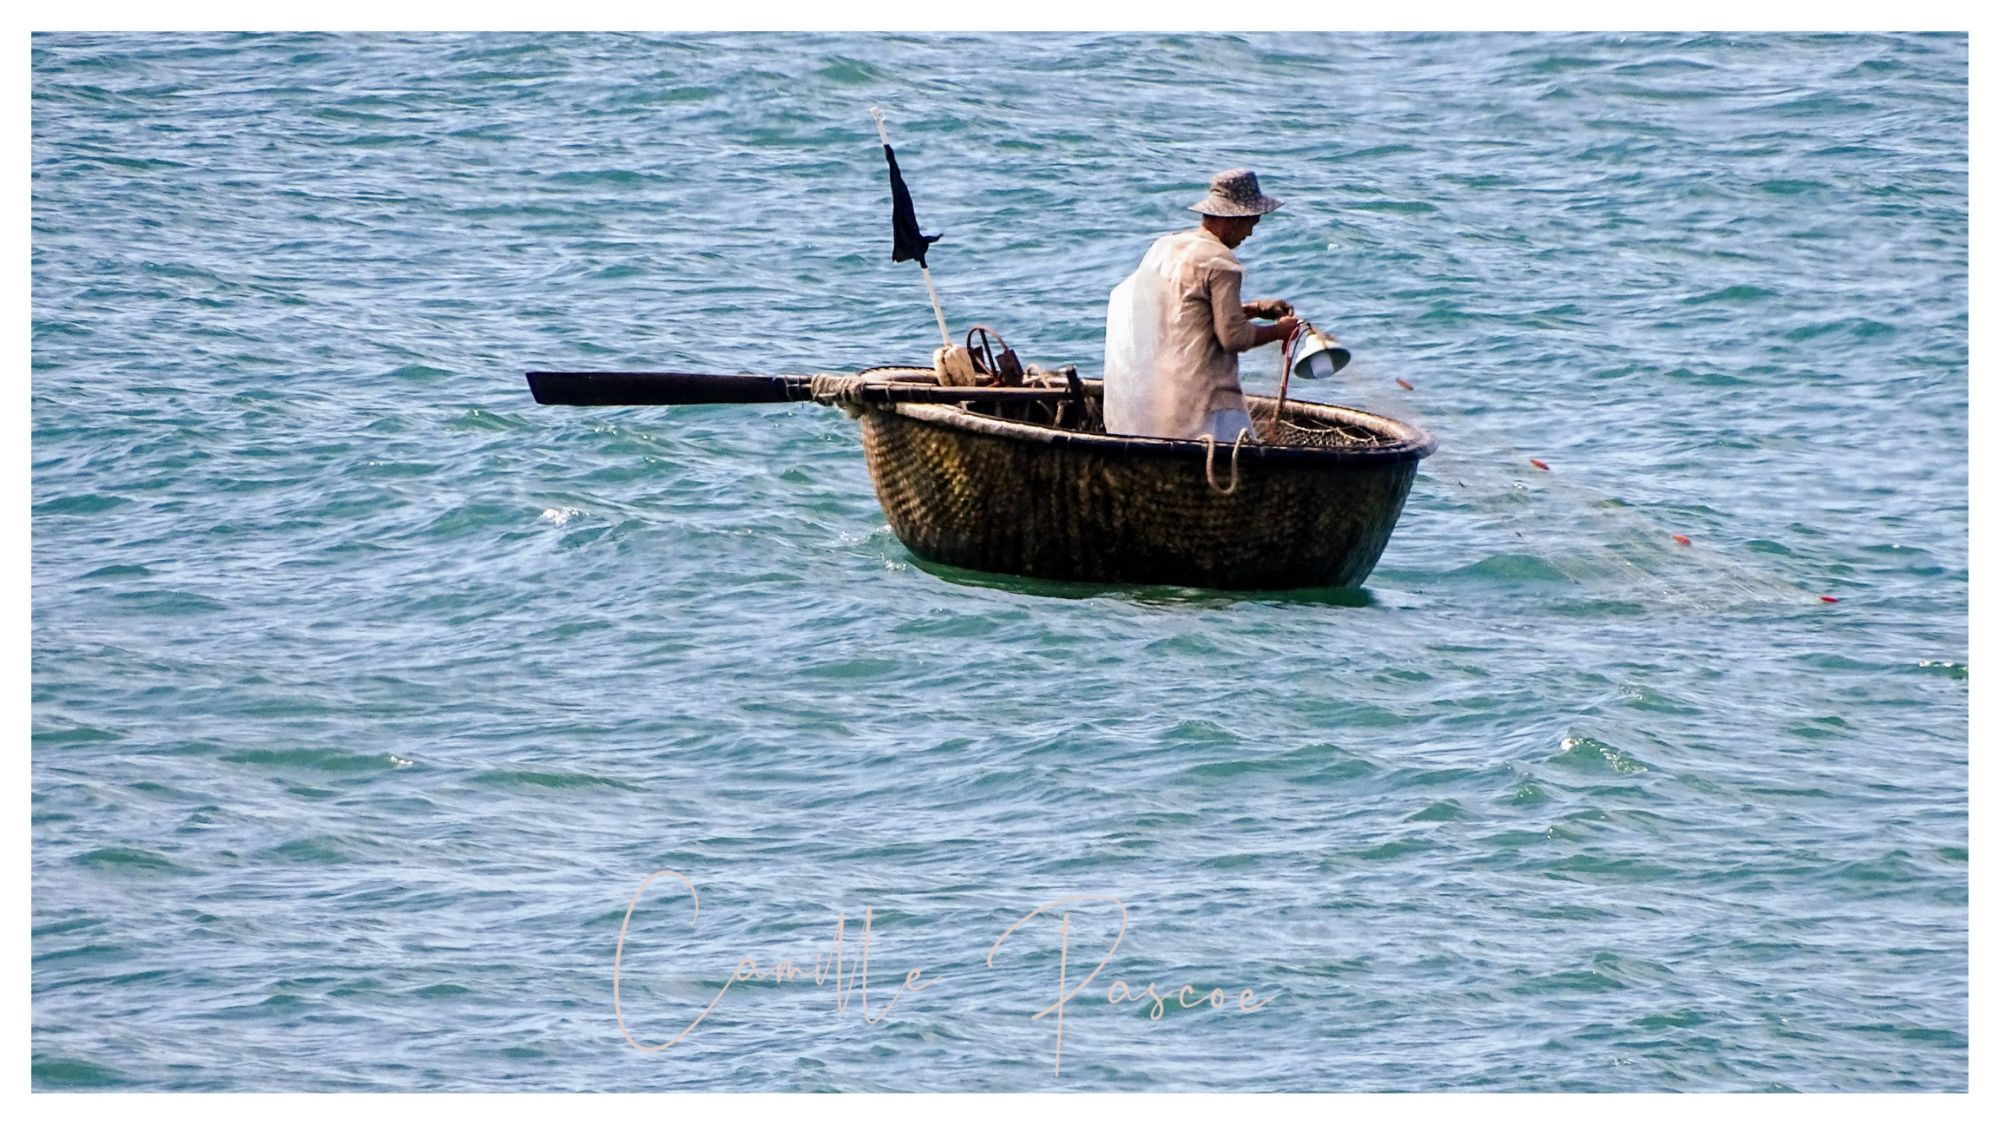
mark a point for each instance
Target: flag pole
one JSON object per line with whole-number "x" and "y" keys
{"x": 937, "y": 308}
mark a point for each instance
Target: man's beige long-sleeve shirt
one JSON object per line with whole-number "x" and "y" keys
{"x": 1171, "y": 337}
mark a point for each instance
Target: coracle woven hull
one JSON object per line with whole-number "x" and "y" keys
{"x": 990, "y": 494}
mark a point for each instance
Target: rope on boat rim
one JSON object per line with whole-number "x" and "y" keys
{"x": 843, "y": 391}
{"x": 1235, "y": 450}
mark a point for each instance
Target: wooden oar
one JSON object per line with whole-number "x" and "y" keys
{"x": 677, "y": 388}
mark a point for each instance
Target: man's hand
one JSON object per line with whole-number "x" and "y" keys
{"x": 1268, "y": 310}
{"x": 1270, "y": 333}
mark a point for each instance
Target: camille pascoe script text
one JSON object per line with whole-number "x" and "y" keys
{"x": 846, "y": 975}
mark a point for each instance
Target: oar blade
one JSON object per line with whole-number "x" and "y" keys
{"x": 659, "y": 388}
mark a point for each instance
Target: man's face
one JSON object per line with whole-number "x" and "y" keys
{"x": 1234, "y": 231}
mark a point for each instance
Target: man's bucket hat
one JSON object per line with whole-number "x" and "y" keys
{"x": 1234, "y": 194}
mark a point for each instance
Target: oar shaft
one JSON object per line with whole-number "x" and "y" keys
{"x": 678, "y": 388}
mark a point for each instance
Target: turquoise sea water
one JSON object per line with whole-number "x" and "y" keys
{"x": 366, "y": 693}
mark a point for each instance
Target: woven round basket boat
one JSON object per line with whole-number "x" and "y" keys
{"x": 1313, "y": 509}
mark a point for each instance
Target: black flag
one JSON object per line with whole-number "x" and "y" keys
{"x": 910, "y": 242}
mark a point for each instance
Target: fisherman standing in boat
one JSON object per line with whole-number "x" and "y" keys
{"x": 1174, "y": 327}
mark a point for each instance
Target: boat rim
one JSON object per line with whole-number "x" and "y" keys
{"x": 1410, "y": 442}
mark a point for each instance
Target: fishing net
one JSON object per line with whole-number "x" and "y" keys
{"x": 1606, "y": 545}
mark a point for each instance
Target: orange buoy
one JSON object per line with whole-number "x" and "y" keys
{"x": 1542, "y": 465}
{"x": 1683, "y": 540}
{"x": 1405, "y": 384}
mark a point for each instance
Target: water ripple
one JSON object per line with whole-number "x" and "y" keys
{"x": 366, "y": 692}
